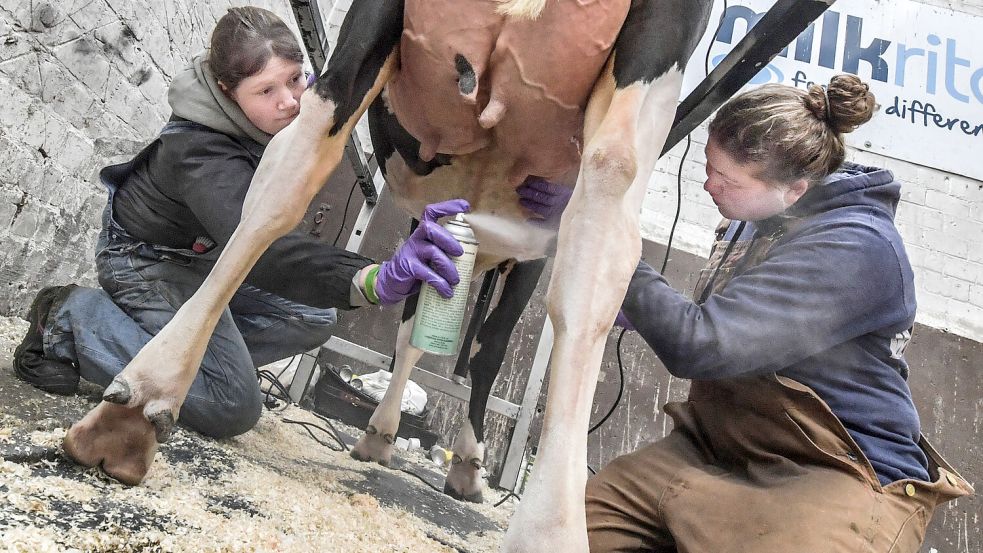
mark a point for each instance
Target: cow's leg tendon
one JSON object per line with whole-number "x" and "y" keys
{"x": 377, "y": 442}
{"x": 624, "y": 130}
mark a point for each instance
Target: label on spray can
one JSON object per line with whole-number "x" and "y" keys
{"x": 437, "y": 324}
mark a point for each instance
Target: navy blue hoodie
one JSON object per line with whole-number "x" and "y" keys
{"x": 830, "y": 306}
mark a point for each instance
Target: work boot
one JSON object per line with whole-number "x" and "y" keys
{"x": 29, "y": 363}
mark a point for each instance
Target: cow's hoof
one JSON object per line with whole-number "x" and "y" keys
{"x": 464, "y": 480}
{"x": 158, "y": 413}
{"x": 373, "y": 446}
{"x": 119, "y": 439}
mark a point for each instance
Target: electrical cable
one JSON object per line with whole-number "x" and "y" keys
{"x": 421, "y": 479}
{"x": 507, "y": 496}
{"x": 274, "y": 381}
{"x": 621, "y": 387}
{"x": 308, "y": 425}
{"x": 344, "y": 215}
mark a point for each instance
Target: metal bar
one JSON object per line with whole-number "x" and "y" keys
{"x": 534, "y": 388}
{"x": 776, "y": 29}
{"x": 315, "y": 40}
{"x": 360, "y": 165}
{"x": 365, "y": 216}
{"x": 312, "y": 32}
{"x": 303, "y": 374}
{"x": 421, "y": 376}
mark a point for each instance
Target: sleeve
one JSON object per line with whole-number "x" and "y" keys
{"x": 213, "y": 176}
{"x": 808, "y": 295}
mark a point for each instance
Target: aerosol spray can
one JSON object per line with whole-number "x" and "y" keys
{"x": 437, "y": 325}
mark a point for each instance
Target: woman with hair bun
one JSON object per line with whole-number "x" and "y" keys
{"x": 799, "y": 433}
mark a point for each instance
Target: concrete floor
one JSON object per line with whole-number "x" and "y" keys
{"x": 273, "y": 488}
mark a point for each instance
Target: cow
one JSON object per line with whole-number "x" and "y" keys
{"x": 477, "y": 95}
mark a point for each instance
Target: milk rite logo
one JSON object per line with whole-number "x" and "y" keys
{"x": 923, "y": 64}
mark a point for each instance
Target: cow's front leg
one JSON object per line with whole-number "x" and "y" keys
{"x": 148, "y": 393}
{"x": 377, "y": 442}
{"x": 626, "y": 125}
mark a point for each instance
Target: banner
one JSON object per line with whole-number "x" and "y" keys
{"x": 923, "y": 63}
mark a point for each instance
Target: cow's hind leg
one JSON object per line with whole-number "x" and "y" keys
{"x": 377, "y": 442}
{"x": 152, "y": 387}
{"x": 628, "y": 118}
{"x": 464, "y": 477}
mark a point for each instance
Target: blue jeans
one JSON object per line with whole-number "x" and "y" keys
{"x": 142, "y": 287}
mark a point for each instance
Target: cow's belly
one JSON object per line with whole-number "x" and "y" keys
{"x": 470, "y": 80}
{"x": 500, "y": 223}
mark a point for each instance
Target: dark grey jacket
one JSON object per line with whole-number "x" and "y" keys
{"x": 193, "y": 183}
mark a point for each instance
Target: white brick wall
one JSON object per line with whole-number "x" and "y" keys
{"x": 940, "y": 219}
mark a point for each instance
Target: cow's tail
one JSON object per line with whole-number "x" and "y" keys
{"x": 525, "y": 9}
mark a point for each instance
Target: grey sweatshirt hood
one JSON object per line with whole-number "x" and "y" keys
{"x": 195, "y": 95}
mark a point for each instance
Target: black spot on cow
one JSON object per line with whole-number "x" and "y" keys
{"x": 368, "y": 36}
{"x": 389, "y": 137}
{"x": 466, "y": 79}
{"x": 647, "y": 48}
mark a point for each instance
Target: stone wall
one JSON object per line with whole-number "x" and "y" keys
{"x": 83, "y": 84}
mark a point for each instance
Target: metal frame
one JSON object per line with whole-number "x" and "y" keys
{"x": 783, "y": 22}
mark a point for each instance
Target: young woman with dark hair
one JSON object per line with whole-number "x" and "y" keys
{"x": 171, "y": 210}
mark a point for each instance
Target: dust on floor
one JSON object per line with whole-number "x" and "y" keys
{"x": 272, "y": 489}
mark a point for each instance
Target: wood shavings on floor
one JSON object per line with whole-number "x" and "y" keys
{"x": 271, "y": 489}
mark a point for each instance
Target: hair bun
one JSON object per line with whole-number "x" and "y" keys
{"x": 845, "y": 104}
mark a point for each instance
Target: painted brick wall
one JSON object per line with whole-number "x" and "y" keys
{"x": 83, "y": 84}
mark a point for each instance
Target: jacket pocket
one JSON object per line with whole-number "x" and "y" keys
{"x": 912, "y": 533}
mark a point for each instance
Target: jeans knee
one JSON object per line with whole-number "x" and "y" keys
{"x": 225, "y": 420}
{"x": 318, "y": 335}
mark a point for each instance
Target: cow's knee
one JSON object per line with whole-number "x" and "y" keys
{"x": 609, "y": 169}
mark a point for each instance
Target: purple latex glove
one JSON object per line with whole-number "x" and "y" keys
{"x": 424, "y": 257}
{"x": 622, "y": 321}
{"x": 545, "y": 199}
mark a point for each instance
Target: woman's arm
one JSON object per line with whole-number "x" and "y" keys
{"x": 810, "y": 294}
